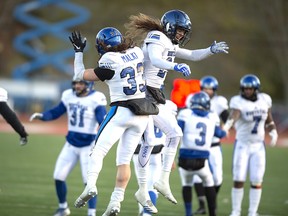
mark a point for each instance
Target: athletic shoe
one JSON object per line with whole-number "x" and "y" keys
{"x": 145, "y": 202}
{"x": 113, "y": 209}
{"x": 87, "y": 194}
{"x": 200, "y": 211}
{"x": 165, "y": 190}
{"x": 62, "y": 212}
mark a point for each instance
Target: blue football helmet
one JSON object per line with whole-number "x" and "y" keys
{"x": 209, "y": 82}
{"x": 89, "y": 86}
{"x": 107, "y": 38}
{"x": 250, "y": 81}
{"x": 200, "y": 100}
{"x": 173, "y": 20}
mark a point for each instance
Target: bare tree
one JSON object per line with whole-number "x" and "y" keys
{"x": 275, "y": 23}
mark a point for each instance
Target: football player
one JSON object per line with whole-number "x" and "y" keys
{"x": 199, "y": 126}
{"x": 155, "y": 160}
{"x": 11, "y": 118}
{"x": 121, "y": 67}
{"x": 219, "y": 105}
{"x": 85, "y": 110}
{"x": 161, "y": 45}
{"x": 251, "y": 116}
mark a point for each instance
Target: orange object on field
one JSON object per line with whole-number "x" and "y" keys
{"x": 181, "y": 89}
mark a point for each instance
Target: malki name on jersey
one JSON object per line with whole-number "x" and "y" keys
{"x": 129, "y": 57}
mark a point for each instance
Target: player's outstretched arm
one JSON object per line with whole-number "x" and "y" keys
{"x": 10, "y": 116}
{"x": 36, "y": 116}
{"x": 80, "y": 72}
{"x": 220, "y": 47}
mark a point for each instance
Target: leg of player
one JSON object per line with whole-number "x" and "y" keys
{"x": 142, "y": 165}
{"x": 237, "y": 197}
{"x": 211, "y": 200}
{"x": 169, "y": 153}
{"x": 200, "y": 192}
{"x": 61, "y": 190}
{"x": 187, "y": 198}
{"x": 254, "y": 198}
{"x": 92, "y": 206}
{"x": 122, "y": 179}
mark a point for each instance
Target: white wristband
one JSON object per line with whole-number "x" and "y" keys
{"x": 228, "y": 124}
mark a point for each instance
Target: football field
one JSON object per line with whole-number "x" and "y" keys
{"x": 27, "y": 186}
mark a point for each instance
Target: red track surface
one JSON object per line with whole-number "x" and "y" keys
{"x": 59, "y": 127}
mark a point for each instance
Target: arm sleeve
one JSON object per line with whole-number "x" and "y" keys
{"x": 54, "y": 113}
{"x": 104, "y": 73}
{"x": 79, "y": 68}
{"x": 155, "y": 55}
{"x": 100, "y": 113}
{"x": 12, "y": 119}
{"x": 193, "y": 55}
{"x": 219, "y": 132}
{"x": 224, "y": 115}
{"x": 181, "y": 124}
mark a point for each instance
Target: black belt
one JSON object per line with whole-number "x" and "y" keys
{"x": 215, "y": 144}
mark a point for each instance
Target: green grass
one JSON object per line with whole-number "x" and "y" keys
{"x": 27, "y": 186}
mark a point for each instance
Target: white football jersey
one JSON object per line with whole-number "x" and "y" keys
{"x": 198, "y": 131}
{"x": 3, "y": 95}
{"x": 81, "y": 110}
{"x": 128, "y": 82}
{"x": 154, "y": 76}
{"x": 251, "y": 125}
{"x": 218, "y": 104}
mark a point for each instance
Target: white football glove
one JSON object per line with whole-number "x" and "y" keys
{"x": 23, "y": 141}
{"x": 219, "y": 47}
{"x": 36, "y": 116}
{"x": 183, "y": 68}
{"x": 274, "y": 136}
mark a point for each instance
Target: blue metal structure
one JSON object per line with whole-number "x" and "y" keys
{"x": 39, "y": 28}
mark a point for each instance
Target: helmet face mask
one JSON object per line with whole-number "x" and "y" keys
{"x": 81, "y": 90}
{"x": 107, "y": 38}
{"x": 249, "y": 86}
{"x": 201, "y": 101}
{"x": 177, "y": 20}
{"x": 209, "y": 82}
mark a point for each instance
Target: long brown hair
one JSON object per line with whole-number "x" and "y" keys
{"x": 139, "y": 25}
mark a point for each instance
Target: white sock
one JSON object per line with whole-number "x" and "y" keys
{"x": 169, "y": 152}
{"x": 237, "y": 197}
{"x": 118, "y": 194}
{"x": 92, "y": 212}
{"x": 63, "y": 205}
{"x": 254, "y": 200}
{"x": 95, "y": 164}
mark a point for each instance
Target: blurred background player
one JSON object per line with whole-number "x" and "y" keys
{"x": 219, "y": 105}
{"x": 155, "y": 160}
{"x": 121, "y": 67}
{"x": 11, "y": 118}
{"x": 85, "y": 110}
{"x": 199, "y": 126}
{"x": 251, "y": 115}
{"x": 160, "y": 47}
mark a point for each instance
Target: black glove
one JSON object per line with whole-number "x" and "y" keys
{"x": 77, "y": 41}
